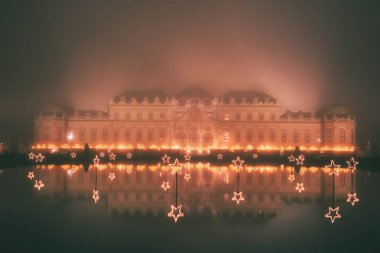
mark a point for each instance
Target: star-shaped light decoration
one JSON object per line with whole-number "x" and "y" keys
{"x": 300, "y": 160}
{"x": 102, "y": 154}
{"x": 31, "y": 156}
{"x": 333, "y": 168}
{"x": 129, "y": 170}
{"x": 238, "y": 196}
{"x": 39, "y": 157}
{"x": 112, "y": 156}
{"x": 300, "y": 188}
{"x": 73, "y": 155}
{"x": 291, "y": 158}
{"x": 291, "y": 178}
{"x": 352, "y": 163}
{"x": 165, "y": 185}
{"x": 96, "y": 161}
{"x": 38, "y": 184}
{"x": 176, "y": 167}
{"x": 176, "y": 213}
{"x": 255, "y": 156}
{"x": 220, "y": 156}
{"x": 187, "y": 157}
{"x": 112, "y": 176}
{"x": 31, "y": 175}
{"x": 238, "y": 163}
{"x": 129, "y": 155}
{"x": 187, "y": 176}
{"x": 165, "y": 159}
{"x": 352, "y": 198}
{"x": 95, "y": 196}
{"x": 333, "y": 214}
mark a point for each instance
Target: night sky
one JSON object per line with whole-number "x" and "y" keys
{"x": 81, "y": 53}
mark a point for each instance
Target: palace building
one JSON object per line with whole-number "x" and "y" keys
{"x": 195, "y": 119}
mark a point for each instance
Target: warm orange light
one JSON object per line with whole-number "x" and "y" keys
{"x": 95, "y": 196}
{"x": 238, "y": 163}
{"x": 31, "y": 175}
{"x": 352, "y": 163}
{"x": 165, "y": 185}
{"x": 352, "y": 198}
{"x": 176, "y": 167}
{"x": 165, "y": 159}
{"x": 238, "y": 196}
{"x": 300, "y": 188}
{"x": 112, "y": 176}
{"x": 333, "y": 214}
{"x": 38, "y": 184}
{"x": 187, "y": 176}
{"x": 291, "y": 178}
{"x": 333, "y": 168}
{"x": 176, "y": 213}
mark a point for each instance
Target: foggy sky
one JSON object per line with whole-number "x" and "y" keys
{"x": 82, "y": 53}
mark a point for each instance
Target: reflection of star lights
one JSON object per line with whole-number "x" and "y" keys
{"x": 291, "y": 158}
{"x": 96, "y": 161}
{"x": 187, "y": 176}
{"x": 291, "y": 178}
{"x": 300, "y": 188}
{"x": 352, "y": 198}
{"x": 187, "y": 157}
{"x": 112, "y": 156}
{"x": 333, "y": 214}
{"x": 255, "y": 156}
{"x": 333, "y": 168}
{"x": 102, "y": 154}
{"x": 31, "y": 175}
{"x": 38, "y": 184}
{"x": 300, "y": 160}
{"x": 176, "y": 167}
{"x": 352, "y": 163}
{"x": 165, "y": 185}
{"x": 238, "y": 163}
{"x": 95, "y": 196}
{"x": 39, "y": 157}
{"x": 112, "y": 176}
{"x": 165, "y": 159}
{"x": 73, "y": 155}
{"x": 129, "y": 170}
{"x": 31, "y": 156}
{"x": 220, "y": 156}
{"x": 129, "y": 155}
{"x": 176, "y": 213}
{"x": 238, "y": 196}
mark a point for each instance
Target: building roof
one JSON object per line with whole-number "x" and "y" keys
{"x": 248, "y": 95}
{"x": 194, "y": 93}
{"x": 139, "y": 95}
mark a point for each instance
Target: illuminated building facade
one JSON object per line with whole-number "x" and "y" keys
{"x": 195, "y": 119}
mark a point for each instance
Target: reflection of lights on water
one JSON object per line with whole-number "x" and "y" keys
{"x": 291, "y": 178}
{"x": 187, "y": 157}
{"x": 39, "y": 157}
{"x": 333, "y": 168}
{"x": 31, "y": 175}
{"x": 238, "y": 163}
{"x": 352, "y": 163}
{"x": 112, "y": 156}
{"x": 129, "y": 155}
{"x": 165, "y": 185}
{"x": 300, "y": 160}
{"x": 291, "y": 158}
{"x": 38, "y": 184}
{"x": 176, "y": 167}
{"x": 95, "y": 196}
{"x": 96, "y": 161}
{"x": 73, "y": 155}
{"x": 300, "y": 188}
{"x": 187, "y": 176}
{"x": 176, "y": 213}
{"x": 220, "y": 156}
{"x": 238, "y": 196}
{"x": 352, "y": 198}
{"x": 333, "y": 214}
{"x": 255, "y": 156}
{"x": 165, "y": 159}
{"x": 112, "y": 176}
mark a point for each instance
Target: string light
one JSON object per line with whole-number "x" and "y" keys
{"x": 38, "y": 184}
{"x": 31, "y": 156}
{"x": 165, "y": 185}
{"x": 112, "y": 156}
{"x": 176, "y": 213}
{"x": 187, "y": 176}
{"x": 333, "y": 168}
{"x": 31, "y": 175}
{"x": 291, "y": 158}
{"x": 176, "y": 167}
{"x": 96, "y": 161}
{"x": 95, "y": 196}
{"x": 352, "y": 198}
{"x": 102, "y": 154}
{"x": 238, "y": 163}
{"x": 220, "y": 156}
{"x": 165, "y": 159}
{"x": 187, "y": 157}
{"x": 129, "y": 155}
{"x": 39, "y": 157}
{"x": 352, "y": 163}
{"x": 300, "y": 160}
{"x": 255, "y": 156}
{"x": 300, "y": 188}
{"x": 333, "y": 214}
{"x": 238, "y": 196}
{"x": 73, "y": 155}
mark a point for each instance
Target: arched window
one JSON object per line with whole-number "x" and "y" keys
{"x": 46, "y": 133}
{"x": 208, "y": 139}
{"x": 139, "y": 134}
{"x": 249, "y": 136}
{"x": 342, "y": 136}
{"x": 194, "y": 139}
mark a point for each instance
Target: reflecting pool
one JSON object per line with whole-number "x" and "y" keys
{"x": 189, "y": 207}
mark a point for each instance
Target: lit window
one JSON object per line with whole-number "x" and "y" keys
{"x": 226, "y": 136}
{"x": 318, "y": 135}
{"x": 46, "y": 133}
{"x": 307, "y": 136}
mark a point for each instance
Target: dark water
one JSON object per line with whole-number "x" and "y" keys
{"x": 131, "y": 215}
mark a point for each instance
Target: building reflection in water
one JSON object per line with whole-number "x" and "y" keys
{"x": 137, "y": 188}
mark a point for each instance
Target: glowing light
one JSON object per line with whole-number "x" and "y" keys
{"x": 39, "y": 157}
{"x": 165, "y": 159}
{"x": 31, "y": 175}
{"x": 300, "y": 160}
{"x": 165, "y": 185}
{"x": 31, "y": 156}
{"x": 333, "y": 214}
{"x": 300, "y": 188}
{"x": 112, "y": 176}
{"x": 95, "y": 196}
{"x": 238, "y": 163}
{"x": 238, "y": 196}
{"x": 96, "y": 161}
{"x": 73, "y": 155}
{"x": 220, "y": 156}
{"x": 102, "y": 154}
{"x": 187, "y": 176}
{"x": 187, "y": 157}
{"x": 333, "y": 168}
{"x": 352, "y": 163}
{"x": 129, "y": 170}
{"x": 176, "y": 167}
{"x": 70, "y": 136}
{"x": 112, "y": 156}
{"x": 129, "y": 155}
{"x": 352, "y": 198}
{"x": 38, "y": 184}
{"x": 255, "y": 156}
{"x": 176, "y": 213}
{"x": 291, "y": 178}
{"x": 291, "y": 158}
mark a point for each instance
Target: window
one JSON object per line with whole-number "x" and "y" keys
{"x": 116, "y": 135}
{"x": 237, "y": 116}
{"x": 307, "y": 136}
{"x": 150, "y": 136}
{"x": 249, "y": 116}
{"x": 150, "y": 116}
{"x": 329, "y": 135}
{"x": 180, "y": 138}
{"x": 272, "y": 136}
{"x": 81, "y": 134}
{"x": 128, "y": 116}
{"x": 116, "y": 115}
{"x": 208, "y": 139}
{"x": 261, "y": 116}
{"x": 318, "y": 136}
{"x": 162, "y": 115}
{"x": 226, "y": 136}
{"x": 46, "y": 133}
{"x": 139, "y": 135}
{"x": 352, "y": 136}
{"x": 162, "y": 135}
{"x": 237, "y": 136}
{"x": 194, "y": 138}
{"x": 93, "y": 134}
{"x": 284, "y": 136}
{"x": 59, "y": 133}
{"x": 261, "y": 136}
{"x": 249, "y": 136}
{"x": 226, "y": 116}
{"x": 127, "y": 136}
{"x": 105, "y": 134}
{"x": 342, "y": 136}
{"x": 139, "y": 116}
{"x": 295, "y": 136}
{"x": 272, "y": 117}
